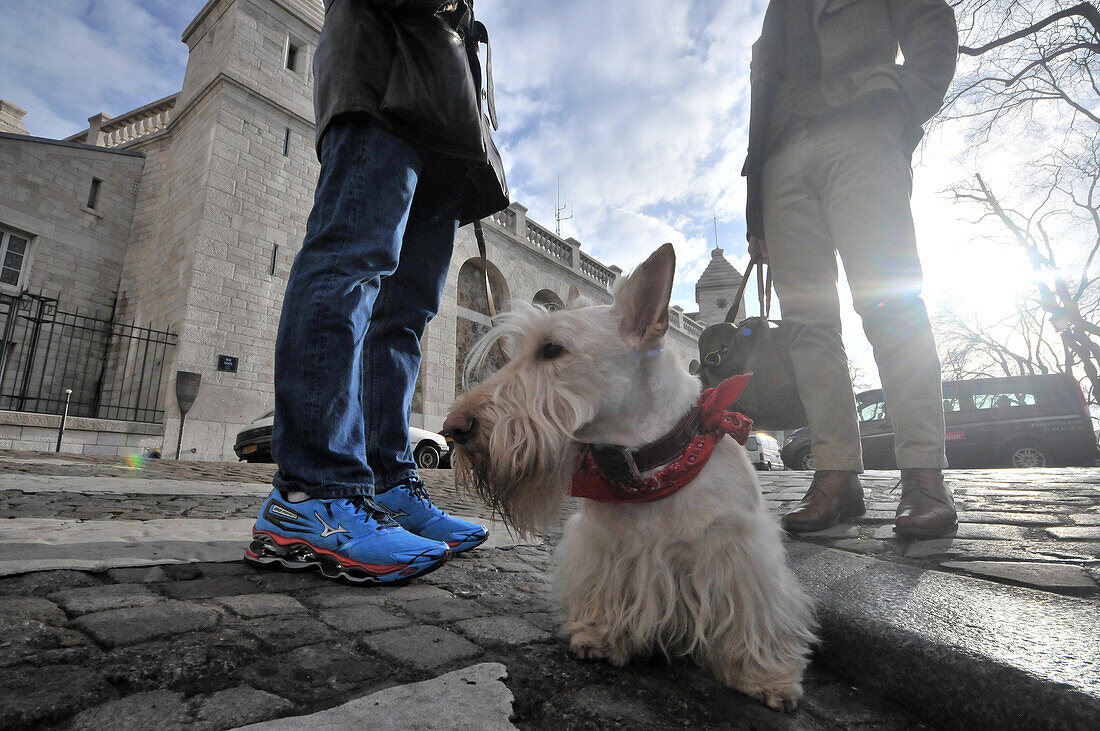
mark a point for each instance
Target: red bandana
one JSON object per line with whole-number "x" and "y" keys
{"x": 590, "y": 482}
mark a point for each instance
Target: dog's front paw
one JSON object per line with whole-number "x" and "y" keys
{"x": 780, "y": 696}
{"x": 589, "y": 646}
{"x": 784, "y": 700}
{"x": 778, "y": 701}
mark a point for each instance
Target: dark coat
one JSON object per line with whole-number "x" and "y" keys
{"x": 859, "y": 41}
{"x": 368, "y": 52}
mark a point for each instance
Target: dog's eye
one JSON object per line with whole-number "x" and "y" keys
{"x": 551, "y": 351}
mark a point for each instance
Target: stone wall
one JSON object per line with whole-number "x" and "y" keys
{"x": 150, "y": 290}
{"x": 38, "y": 432}
{"x": 76, "y": 252}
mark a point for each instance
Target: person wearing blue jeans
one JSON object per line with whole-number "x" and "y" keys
{"x": 347, "y": 498}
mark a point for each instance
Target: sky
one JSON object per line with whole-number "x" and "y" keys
{"x": 636, "y": 111}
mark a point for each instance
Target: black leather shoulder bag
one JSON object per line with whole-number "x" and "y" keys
{"x": 757, "y": 345}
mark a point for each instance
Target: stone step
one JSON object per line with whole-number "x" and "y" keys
{"x": 959, "y": 651}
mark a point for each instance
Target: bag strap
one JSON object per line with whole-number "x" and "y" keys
{"x": 482, "y": 35}
{"x": 763, "y": 290}
{"x": 479, "y": 234}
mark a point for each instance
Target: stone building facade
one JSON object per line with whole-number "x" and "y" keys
{"x": 204, "y": 197}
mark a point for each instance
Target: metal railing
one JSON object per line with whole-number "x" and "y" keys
{"x": 114, "y": 369}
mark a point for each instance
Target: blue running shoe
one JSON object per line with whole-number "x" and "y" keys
{"x": 410, "y": 505}
{"x": 351, "y": 539}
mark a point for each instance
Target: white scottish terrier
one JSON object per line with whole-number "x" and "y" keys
{"x": 700, "y": 572}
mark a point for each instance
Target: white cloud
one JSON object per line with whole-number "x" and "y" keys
{"x": 65, "y": 60}
{"x": 639, "y": 108}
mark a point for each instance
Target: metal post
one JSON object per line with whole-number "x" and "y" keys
{"x": 32, "y": 349}
{"x": 64, "y": 416}
{"x": 179, "y": 439}
{"x": 5, "y": 343}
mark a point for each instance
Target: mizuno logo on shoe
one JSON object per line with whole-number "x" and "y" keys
{"x": 284, "y": 518}
{"x": 280, "y": 510}
{"x": 397, "y": 513}
{"x": 329, "y": 530}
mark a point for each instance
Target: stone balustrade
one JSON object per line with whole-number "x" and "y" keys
{"x": 514, "y": 221}
{"x": 567, "y": 252}
{"x": 505, "y": 219}
{"x": 681, "y": 321}
{"x": 597, "y": 271}
{"x": 691, "y": 327}
{"x": 130, "y": 128}
{"x": 550, "y": 244}
{"x": 105, "y": 131}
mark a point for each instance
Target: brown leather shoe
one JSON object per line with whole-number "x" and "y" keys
{"x": 833, "y": 496}
{"x": 926, "y": 509}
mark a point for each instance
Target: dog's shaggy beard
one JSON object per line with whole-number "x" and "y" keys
{"x": 524, "y": 454}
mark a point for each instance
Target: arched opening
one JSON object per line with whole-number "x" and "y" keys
{"x": 473, "y": 314}
{"x": 548, "y": 299}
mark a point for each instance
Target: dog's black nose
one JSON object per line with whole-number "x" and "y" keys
{"x": 459, "y": 426}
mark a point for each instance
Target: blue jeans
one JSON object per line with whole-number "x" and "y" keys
{"x": 368, "y": 279}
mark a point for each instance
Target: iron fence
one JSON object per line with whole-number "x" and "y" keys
{"x": 114, "y": 369}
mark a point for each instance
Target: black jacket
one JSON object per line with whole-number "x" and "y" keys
{"x": 408, "y": 65}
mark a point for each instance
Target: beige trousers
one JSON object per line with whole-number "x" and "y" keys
{"x": 843, "y": 185}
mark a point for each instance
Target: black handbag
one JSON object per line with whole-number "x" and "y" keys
{"x": 433, "y": 97}
{"x": 430, "y": 94}
{"x": 756, "y": 345}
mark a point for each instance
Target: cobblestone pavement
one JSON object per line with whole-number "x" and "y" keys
{"x": 219, "y": 645}
{"x": 1038, "y": 528}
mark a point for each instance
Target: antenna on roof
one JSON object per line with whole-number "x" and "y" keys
{"x": 715, "y": 232}
{"x": 559, "y": 207}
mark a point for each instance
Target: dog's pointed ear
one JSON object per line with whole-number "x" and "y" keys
{"x": 572, "y": 297}
{"x": 642, "y": 299}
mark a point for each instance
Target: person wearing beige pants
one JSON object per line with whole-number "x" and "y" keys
{"x": 832, "y": 129}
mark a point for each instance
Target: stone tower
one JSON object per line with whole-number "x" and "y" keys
{"x": 221, "y": 212}
{"x": 716, "y": 289}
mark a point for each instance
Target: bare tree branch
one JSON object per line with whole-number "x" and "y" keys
{"x": 1086, "y": 10}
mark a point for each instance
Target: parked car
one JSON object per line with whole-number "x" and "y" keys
{"x": 796, "y": 453}
{"x": 1014, "y": 421}
{"x": 763, "y": 451}
{"x": 430, "y": 450}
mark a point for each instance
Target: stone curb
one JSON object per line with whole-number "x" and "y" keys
{"x": 474, "y": 698}
{"x": 961, "y": 652}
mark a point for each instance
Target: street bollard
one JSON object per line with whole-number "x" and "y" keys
{"x": 64, "y": 416}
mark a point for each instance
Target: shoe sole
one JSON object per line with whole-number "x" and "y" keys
{"x": 465, "y": 545}
{"x": 849, "y": 514}
{"x": 299, "y": 555}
